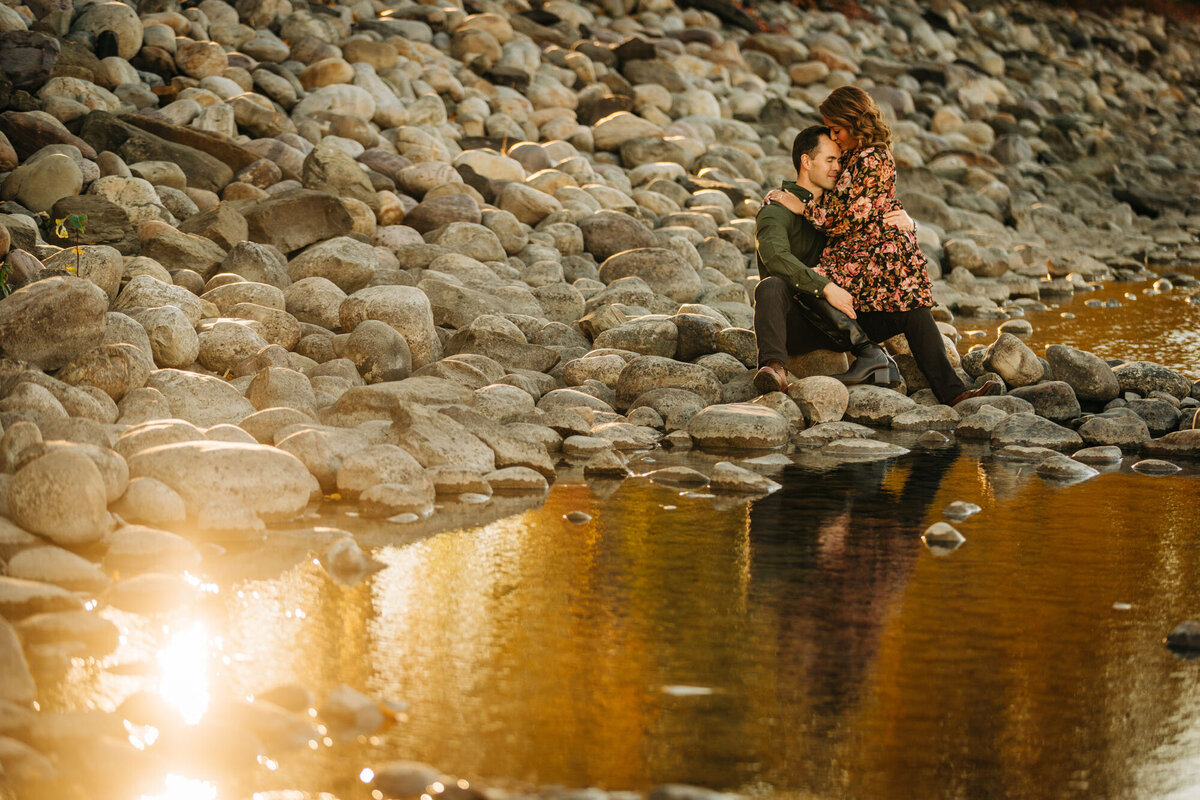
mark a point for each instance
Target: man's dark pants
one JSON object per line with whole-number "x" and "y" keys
{"x": 781, "y": 330}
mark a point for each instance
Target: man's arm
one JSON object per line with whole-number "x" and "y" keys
{"x": 775, "y": 251}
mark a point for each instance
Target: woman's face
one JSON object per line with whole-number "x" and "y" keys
{"x": 842, "y": 136}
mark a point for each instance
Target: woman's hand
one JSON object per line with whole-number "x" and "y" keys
{"x": 786, "y": 199}
{"x": 899, "y": 218}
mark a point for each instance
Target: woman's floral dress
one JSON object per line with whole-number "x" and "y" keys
{"x": 881, "y": 266}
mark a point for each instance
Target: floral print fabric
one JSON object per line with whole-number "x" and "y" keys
{"x": 881, "y": 266}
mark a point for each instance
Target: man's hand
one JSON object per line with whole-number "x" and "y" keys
{"x": 899, "y": 218}
{"x": 840, "y": 299}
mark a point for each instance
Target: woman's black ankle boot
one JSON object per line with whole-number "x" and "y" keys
{"x": 871, "y": 365}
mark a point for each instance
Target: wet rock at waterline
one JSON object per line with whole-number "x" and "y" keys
{"x": 727, "y": 477}
{"x": 1184, "y": 638}
{"x": 228, "y": 485}
{"x": 1098, "y": 455}
{"x": 875, "y": 405}
{"x": 1119, "y": 427}
{"x": 741, "y": 425}
{"x": 861, "y": 449}
{"x": 1180, "y": 444}
{"x": 1059, "y": 467}
{"x": 1155, "y": 466}
{"x": 942, "y": 538}
{"x": 1030, "y": 430}
{"x": 346, "y": 563}
{"x": 16, "y": 682}
{"x": 960, "y": 510}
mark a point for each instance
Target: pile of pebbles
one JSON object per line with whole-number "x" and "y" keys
{"x": 399, "y": 253}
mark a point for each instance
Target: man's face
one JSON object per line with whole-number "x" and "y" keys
{"x": 824, "y": 166}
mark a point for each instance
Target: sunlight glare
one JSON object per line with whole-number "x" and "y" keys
{"x": 141, "y": 736}
{"x": 185, "y": 674}
{"x": 177, "y": 787}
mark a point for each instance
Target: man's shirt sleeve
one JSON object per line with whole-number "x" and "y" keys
{"x": 775, "y": 251}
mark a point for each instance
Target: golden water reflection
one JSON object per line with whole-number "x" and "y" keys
{"x": 807, "y": 645}
{"x": 184, "y": 663}
{"x": 1163, "y": 328}
{"x": 178, "y": 787}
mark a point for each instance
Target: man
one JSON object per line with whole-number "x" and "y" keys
{"x": 796, "y": 309}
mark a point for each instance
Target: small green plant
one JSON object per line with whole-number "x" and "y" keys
{"x": 77, "y": 223}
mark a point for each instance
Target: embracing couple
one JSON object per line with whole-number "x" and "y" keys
{"x": 839, "y": 259}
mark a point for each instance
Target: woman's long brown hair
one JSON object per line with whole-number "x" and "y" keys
{"x": 855, "y": 110}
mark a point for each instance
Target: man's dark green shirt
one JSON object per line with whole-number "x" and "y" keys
{"x": 788, "y": 245}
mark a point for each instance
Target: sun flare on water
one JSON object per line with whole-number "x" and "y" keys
{"x": 184, "y": 664}
{"x": 178, "y": 787}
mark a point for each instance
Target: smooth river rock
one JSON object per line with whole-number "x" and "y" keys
{"x": 229, "y": 485}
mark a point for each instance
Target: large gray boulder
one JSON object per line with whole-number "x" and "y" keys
{"x": 224, "y": 344}
{"x": 379, "y": 351}
{"x": 1180, "y": 444}
{"x": 173, "y": 339}
{"x": 327, "y": 169}
{"x": 295, "y": 219}
{"x": 1012, "y": 360}
{"x": 1092, "y": 379}
{"x": 676, "y": 407}
{"x": 470, "y": 239}
{"x": 321, "y": 449}
{"x": 145, "y": 291}
{"x": 405, "y": 308}
{"x": 228, "y": 485}
{"x": 654, "y": 372}
{"x": 200, "y": 399}
{"x": 875, "y": 405}
{"x": 1145, "y": 377}
{"x": 62, "y": 497}
{"x": 1054, "y": 400}
{"x": 820, "y": 398}
{"x": 457, "y": 306}
{"x": 607, "y": 233}
{"x": 739, "y": 425}
{"x": 345, "y": 261}
{"x": 1119, "y": 427}
{"x": 663, "y": 270}
{"x": 649, "y": 335}
{"x": 1160, "y": 415}
{"x": 51, "y": 321}
{"x": 1030, "y": 430}
{"x": 436, "y": 440}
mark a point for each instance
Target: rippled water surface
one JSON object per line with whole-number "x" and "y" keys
{"x": 803, "y": 645}
{"x": 807, "y": 644}
{"x": 1163, "y": 328}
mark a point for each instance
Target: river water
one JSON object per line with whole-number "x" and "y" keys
{"x": 806, "y": 645}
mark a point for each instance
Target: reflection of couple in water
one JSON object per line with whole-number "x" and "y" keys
{"x": 831, "y": 567}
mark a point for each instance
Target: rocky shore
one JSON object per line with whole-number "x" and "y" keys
{"x": 396, "y": 253}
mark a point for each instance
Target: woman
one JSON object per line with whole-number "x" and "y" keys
{"x": 880, "y": 265}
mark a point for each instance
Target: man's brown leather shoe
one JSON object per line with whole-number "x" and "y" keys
{"x": 988, "y": 389}
{"x": 771, "y": 378}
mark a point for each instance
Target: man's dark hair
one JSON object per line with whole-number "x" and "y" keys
{"x": 806, "y": 143}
